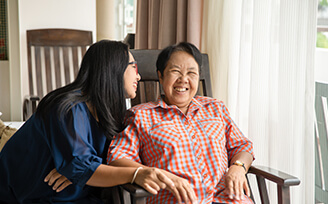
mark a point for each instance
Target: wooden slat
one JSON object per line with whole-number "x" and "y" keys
{"x": 30, "y": 73}
{"x": 83, "y": 50}
{"x": 57, "y": 67}
{"x": 66, "y": 64}
{"x": 75, "y": 60}
{"x": 47, "y": 60}
{"x": 38, "y": 72}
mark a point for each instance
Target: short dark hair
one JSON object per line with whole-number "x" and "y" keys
{"x": 166, "y": 53}
{"x": 99, "y": 82}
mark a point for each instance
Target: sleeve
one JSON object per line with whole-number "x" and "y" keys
{"x": 71, "y": 141}
{"x": 126, "y": 144}
{"x": 236, "y": 141}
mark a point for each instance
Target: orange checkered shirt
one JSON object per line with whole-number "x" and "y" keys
{"x": 196, "y": 146}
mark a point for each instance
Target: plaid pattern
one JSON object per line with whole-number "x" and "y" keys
{"x": 196, "y": 146}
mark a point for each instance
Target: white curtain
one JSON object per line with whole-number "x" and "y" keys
{"x": 262, "y": 66}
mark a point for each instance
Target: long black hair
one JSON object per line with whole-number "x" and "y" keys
{"x": 99, "y": 82}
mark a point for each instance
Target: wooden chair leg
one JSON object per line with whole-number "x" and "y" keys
{"x": 283, "y": 194}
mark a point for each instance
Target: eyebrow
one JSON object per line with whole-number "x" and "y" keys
{"x": 176, "y": 66}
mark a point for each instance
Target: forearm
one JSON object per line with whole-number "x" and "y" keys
{"x": 244, "y": 157}
{"x": 130, "y": 163}
{"x": 126, "y": 163}
{"x": 106, "y": 176}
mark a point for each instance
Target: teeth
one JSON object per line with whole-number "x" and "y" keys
{"x": 180, "y": 89}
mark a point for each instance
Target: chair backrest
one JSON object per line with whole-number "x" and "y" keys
{"x": 54, "y": 56}
{"x": 149, "y": 88}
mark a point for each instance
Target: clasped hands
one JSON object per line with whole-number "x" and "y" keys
{"x": 154, "y": 179}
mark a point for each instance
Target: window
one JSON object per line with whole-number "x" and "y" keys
{"x": 126, "y": 17}
{"x": 322, "y": 31}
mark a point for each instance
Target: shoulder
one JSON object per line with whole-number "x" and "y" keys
{"x": 208, "y": 101}
{"x": 141, "y": 112}
{"x": 144, "y": 107}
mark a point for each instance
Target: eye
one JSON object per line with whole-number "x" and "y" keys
{"x": 175, "y": 71}
{"x": 193, "y": 73}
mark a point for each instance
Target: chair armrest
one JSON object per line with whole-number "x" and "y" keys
{"x": 29, "y": 106}
{"x": 32, "y": 98}
{"x": 274, "y": 175}
{"x": 283, "y": 181}
{"x": 132, "y": 193}
{"x": 136, "y": 190}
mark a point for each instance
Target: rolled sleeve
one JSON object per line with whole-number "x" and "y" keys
{"x": 126, "y": 144}
{"x": 72, "y": 140}
{"x": 236, "y": 141}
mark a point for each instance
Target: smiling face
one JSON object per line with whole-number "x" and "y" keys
{"x": 131, "y": 78}
{"x": 180, "y": 80}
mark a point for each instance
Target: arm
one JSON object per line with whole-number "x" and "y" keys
{"x": 102, "y": 177}
{"x": 235, "y": 180}
{"x": 151, "y": 179}
{"x": 240, "y": 149}
{"x": 179, "y": 187}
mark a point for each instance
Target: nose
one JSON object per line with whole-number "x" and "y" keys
{"x": 138, "y": 77}
{"x": 184, "y": 79}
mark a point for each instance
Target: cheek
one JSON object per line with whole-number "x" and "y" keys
{"x": 194, "y": 83}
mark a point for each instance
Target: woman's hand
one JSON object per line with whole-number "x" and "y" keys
{"x": 58, "y": 181}
{"x": 236, "y": 183}
{"x": 153, "y": 180}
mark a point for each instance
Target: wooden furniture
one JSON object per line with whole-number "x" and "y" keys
{"x": 54, "y": 57}
{"x": 148, "y": 90}
{"x": 321, "y": 143}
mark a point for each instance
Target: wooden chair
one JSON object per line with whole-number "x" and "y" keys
{"x": 148, "y": 90}
{"x": 54, "y": 57}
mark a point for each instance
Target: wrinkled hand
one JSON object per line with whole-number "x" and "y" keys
{"x": 153, "y": 180}
{"x": 236, "y": 183}
{"x": 58, "y": 181}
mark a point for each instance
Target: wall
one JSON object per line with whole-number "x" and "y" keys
{"x": 35, "y": 14}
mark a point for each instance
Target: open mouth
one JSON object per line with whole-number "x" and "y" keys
{"x": 181, "y": 89}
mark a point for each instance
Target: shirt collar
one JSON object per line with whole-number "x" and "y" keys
{"x": 194, "y": 104}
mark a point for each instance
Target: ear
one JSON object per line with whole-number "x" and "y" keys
{"x": 159, "y": 77}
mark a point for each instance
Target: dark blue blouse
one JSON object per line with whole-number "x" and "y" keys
{"x": 72, "y": 144}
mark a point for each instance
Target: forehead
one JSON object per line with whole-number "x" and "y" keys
{"x": 182, "y": 59}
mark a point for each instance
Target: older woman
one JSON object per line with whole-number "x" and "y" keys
{"x": 190, "y": 136}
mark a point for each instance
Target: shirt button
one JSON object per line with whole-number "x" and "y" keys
{"x": 193, "y": 136}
